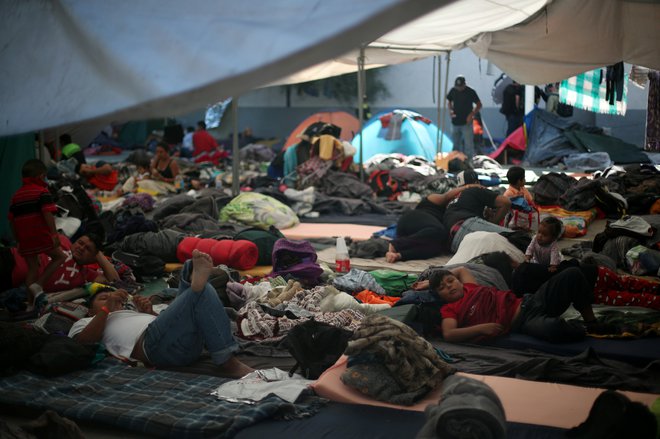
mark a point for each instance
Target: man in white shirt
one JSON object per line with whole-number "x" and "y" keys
{"x": 194, "y": 320}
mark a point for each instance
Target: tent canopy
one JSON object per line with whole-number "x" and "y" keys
{"x": 72, "y": 60}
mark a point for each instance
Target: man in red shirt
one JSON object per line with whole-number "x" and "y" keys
{"x": 474, "y": 312}
{"x": 75, "y": 271}
{"x": 202, "y": 140}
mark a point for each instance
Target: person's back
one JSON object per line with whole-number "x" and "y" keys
{"x": 511, "y": 105}
{"x": 516, "y": 177}
{"x": 470, "y": 203}
{"x": 72, "y": 150}
{"x": 203, "y": 141}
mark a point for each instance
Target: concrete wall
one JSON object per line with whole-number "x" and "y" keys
{"x": 411, "y": 86}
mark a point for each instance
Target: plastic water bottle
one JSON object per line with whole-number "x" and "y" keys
{"x": 342, "y": 261}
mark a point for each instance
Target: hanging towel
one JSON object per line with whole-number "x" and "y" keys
{"x": 586, "y": 91}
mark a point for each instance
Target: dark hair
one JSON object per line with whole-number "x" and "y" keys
{"x": 501, "y": 262}
{"x": 436, "y": 278}
{"x": 92, "y": 298}
{"x": 96, "y": 239}
{"x": 201, "y": 124}
{"x": 33, "y": 168}
{"x": 65, "y": 139}
{"x": 163, "y": 145}
{"x": 515, "y": 174}
{"x": 470, "y": 176}
{"x": 555, "y": 224}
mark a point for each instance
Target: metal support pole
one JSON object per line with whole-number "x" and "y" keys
{"x": 235, "y": 152}
{"x": 41, "y": 146}
{"x": 444, "y": 98}
{"x": 361, "y": 91}
{"x": 529, "y": 98}
{"x": 439, "y": 107}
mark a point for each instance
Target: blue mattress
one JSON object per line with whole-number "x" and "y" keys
{"x": 639, "y": 351}
{"x": 348, "y": 421}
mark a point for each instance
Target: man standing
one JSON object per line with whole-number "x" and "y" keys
{"x": 513, "y": 106}
{"x": 463, "y": 104}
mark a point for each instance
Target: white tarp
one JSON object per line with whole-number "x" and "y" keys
{"x": 574, "y": 37}
{"x": 65, "y": 61}
{"x": 447, "y": 28}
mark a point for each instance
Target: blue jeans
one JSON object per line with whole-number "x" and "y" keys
{"x": 463, "y": 138}
{"x": 193, "y": 320}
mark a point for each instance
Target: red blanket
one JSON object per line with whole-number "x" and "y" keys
{"x": 241, "y": 255}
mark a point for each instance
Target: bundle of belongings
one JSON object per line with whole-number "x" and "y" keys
{"x": 390, "y": 362}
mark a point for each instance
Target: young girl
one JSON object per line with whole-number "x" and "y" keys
{"x": 544, "y": 249}
{"x": 32, "y": 221}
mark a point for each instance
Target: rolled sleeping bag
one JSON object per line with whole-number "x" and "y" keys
{"x": 468, "y": 408}
{"x": 241, "y": 255}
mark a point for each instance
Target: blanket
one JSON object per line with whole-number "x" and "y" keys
{"x": 575, "y": 223}
{"x": 153, "y": 402}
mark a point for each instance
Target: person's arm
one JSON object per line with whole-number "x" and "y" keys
{"x": 474, "y": 111}
{"x": 529, "y": 253}
{"x": 109, "y": 272}
{"x": 174, "y": 167}
{"x": 464, "y": 275}
{"x": 443, "y": 199}
{"x": 502, "y": 207}
{"x": 555, "y": 255}
{"x": 93, "y": 332}
{"x": 453, "y": 334}
{"x": 50, "y": 221}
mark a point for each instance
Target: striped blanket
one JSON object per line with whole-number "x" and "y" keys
{"x": 586, "y": 91}
{"x": 151, "y": 402}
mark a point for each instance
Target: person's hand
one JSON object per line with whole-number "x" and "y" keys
{"x": 491, "y": 329}
{"x": 421, "y": 285}
{"x": 116, "y": 300}
{"x": 552, "y": 268}
{"x": 143, "y": 304}
{"x": 468, "y": 119}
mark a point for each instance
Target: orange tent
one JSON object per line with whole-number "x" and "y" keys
{"x": 349, "y": 124}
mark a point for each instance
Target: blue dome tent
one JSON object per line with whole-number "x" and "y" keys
{"x": 400, "y": 131}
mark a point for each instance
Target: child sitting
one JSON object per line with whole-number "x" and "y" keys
{"x": 516, "y": 177}
{"x": 544, "y": 249}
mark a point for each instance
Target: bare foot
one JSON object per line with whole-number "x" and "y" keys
{"x": 234, "y": 368}
{"x": 392, "y": 257}
{"x": 202, "y": 266}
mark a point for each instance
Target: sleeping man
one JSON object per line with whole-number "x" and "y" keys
{"x": 474, "y": 312}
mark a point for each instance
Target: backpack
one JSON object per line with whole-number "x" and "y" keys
{"x": 264, "y": 240}
{"x": 550, "y": 187}
{"x": 384, "y": 185}
{"x": 296, "y": 259}
{"x": 145, "y": 267}
{"x": 315, "y": 346}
